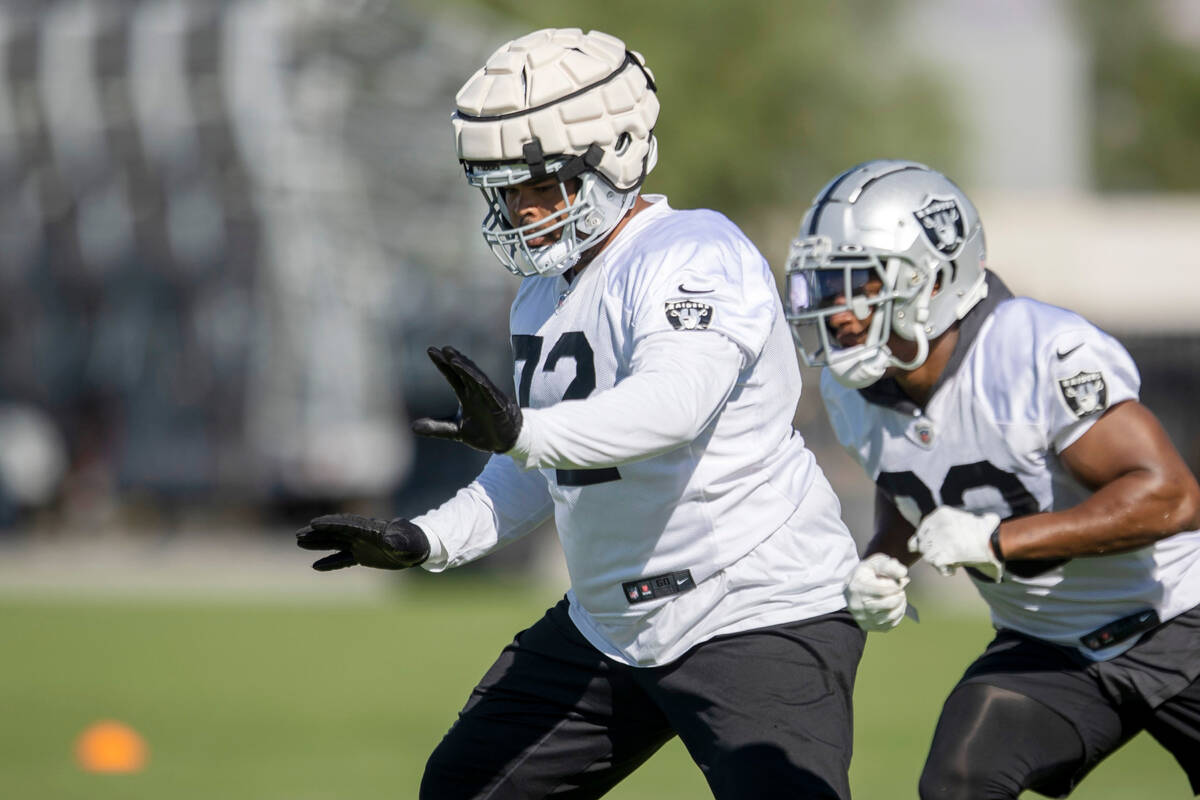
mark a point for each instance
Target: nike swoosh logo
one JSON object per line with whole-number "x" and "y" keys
{"x": 1061, "y": 355}
{"x": 686, "y": 290}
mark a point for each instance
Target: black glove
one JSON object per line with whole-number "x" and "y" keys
{"x": 362, "y": 540}
{"x": 487, "y": 419}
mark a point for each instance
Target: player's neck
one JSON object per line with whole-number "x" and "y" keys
{"x": 918, "y": 383}
{"x": 639, "y": 205}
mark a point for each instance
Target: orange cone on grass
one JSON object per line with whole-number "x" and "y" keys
{"x": 112, "y": 747}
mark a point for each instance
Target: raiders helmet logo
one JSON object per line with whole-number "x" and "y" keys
{"x": 1085, "y": 393}
{"x": 942, "y": 221}
{"x": 689, "y": 315}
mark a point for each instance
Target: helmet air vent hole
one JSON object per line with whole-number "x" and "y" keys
{"x": 623, "y": 142}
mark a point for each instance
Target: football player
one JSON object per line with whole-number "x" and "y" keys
{"x": 1004, "y": 436}
{"x": 656, "y": 384}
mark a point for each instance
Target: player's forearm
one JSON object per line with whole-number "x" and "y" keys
{"x": 664, "y": 405}
{"x": 1135, "y": 510}
{"x": 502, "y": 504}
{"x": 892, "y": 532}
{"x": 893, "y": 542}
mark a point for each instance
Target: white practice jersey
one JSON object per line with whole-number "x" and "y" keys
{"x": 739, "y": 510}
{"x": 1025, "y": 381}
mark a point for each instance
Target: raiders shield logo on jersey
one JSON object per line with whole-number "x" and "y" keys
{"x": 1085, "y": 393}
{"x": 689, "y": 315}
{"x": 942, "y": 221}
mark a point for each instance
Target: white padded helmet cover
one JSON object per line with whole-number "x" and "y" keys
{"x": 569, "y": 90}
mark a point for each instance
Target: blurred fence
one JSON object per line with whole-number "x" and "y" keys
{"x": 217, "y": 255}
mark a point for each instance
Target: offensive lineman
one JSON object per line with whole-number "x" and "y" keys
{"x": 1009, "y": 433}
{"x": 656, "y": 385}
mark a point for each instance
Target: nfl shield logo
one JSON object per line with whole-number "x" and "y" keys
{"x": 925, "y": 432}
{"x": 1084, "y": 393}
{"x": 922, "y": 432}
{"x": 942, "y": 221}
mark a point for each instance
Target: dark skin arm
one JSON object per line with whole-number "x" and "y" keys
{"x": 892, "y": 532}
{"x": 1143, "y": 492}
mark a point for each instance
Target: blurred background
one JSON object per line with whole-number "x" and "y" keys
{"x": 230, "y": 228}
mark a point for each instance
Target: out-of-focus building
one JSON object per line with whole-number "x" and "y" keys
{"x": 1019, "y": 72}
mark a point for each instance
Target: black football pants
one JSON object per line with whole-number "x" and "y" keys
{"x": 1032, "y": 715}
{"x": 764, "y": 713}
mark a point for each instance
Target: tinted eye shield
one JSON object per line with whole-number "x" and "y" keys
{"x": 835, "y": 286}
{"x": 820, "y": 285}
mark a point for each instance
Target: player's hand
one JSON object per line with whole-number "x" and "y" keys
{"x": 875, "y": 592}
{"x": 362, "y": 540}
{"x": 487, "y": 419}
{"x": 950, "y": 538}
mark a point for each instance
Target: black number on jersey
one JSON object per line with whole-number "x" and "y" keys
{"x": 527, "y": 350}
{"x": 961, "y": 479}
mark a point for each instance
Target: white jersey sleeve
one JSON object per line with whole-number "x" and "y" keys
{"x": 1081, "y": 372}
{"x": 678, "y": 385}
{"x": 501, "y": 505}
{"x": 681, "y": 371}
{"x": 714, "y": 284}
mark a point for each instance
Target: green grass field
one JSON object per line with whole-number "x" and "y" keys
{"x": 299, "y": 701}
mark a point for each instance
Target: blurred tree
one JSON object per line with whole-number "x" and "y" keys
{"x": 763, "y": 102}
{"x": 1146, "y": 97}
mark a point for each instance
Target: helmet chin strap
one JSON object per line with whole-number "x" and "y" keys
{"x": 861, "y": 366}
{"x": 605, "y": 208}
{"x": 551, "y": 259}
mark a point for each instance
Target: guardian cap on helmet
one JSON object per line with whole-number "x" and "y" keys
{"x": 561, "y": 103}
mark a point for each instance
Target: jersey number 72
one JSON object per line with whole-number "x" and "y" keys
{"x": 527, "y": 349}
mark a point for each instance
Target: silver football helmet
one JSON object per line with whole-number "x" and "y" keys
{"x": 892, "y": 241}
{"x": 566, "y": 104}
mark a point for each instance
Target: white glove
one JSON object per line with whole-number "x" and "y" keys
{"x": 950, "y": 538}
{"x": 875, "y": 592}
